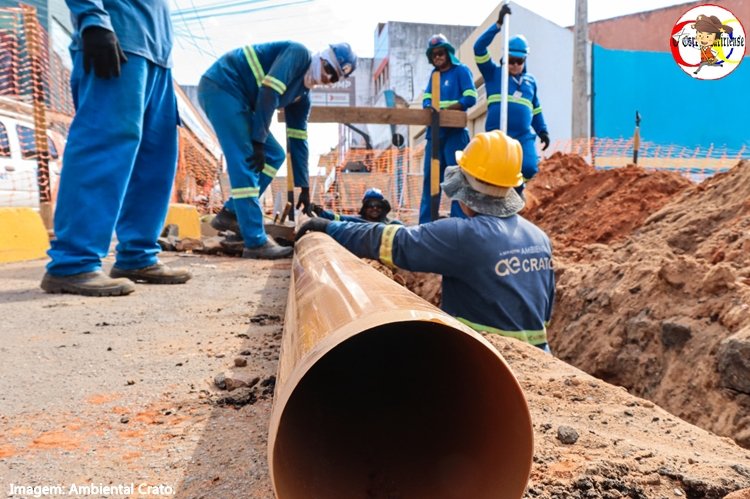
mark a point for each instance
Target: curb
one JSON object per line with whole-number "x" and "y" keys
{"x": 187, "y": 218}
{"x": 22, "y": 235}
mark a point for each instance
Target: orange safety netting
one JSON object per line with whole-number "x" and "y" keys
{"x": 696, "y": 163}
{"x": 197, "y": 174}
{"x": 398, "y": 173}
{"x": 36, "y": 104}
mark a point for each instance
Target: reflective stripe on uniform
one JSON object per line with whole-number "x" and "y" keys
{"x": 521, "y": 100}
{"x": 386, "y": 244}
{"x": 531, "y": 337}
{"x": 296, "y": 133}
{"x": 469, "y": 92}
{"x": 246, "y": 192}
{"x": 480, "y": 59}
{"x": 254, "y": 63}
{"x": 447, "y": 103}
{"x": 493, "y": 98}
{"x": 336, "y": 217}
{"x": 274, "y": 83}
{"x": 269, "y": 170}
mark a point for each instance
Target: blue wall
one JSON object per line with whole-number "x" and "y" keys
{"x": 675, "y": 108}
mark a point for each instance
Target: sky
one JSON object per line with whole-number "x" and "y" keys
{"x": 205, "y": 29}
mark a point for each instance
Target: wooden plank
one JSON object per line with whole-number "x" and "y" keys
{"x": 381, "y": 115}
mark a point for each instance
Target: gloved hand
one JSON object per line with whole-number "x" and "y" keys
{"x": 102, "y": 51}
{"x": 316, "y": 224}
{"x": 505, "y": 9}
{"x": 258, "y": 159}
{"x": 304, "y": 201}
{"x": 544, "y": 137}
{"x": 317, "y": 209}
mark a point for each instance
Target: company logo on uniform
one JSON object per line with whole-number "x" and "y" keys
{"x": 708, "y": 42}
{"x": 514, "y": 265}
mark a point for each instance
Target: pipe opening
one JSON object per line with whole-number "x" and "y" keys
{"x": 405, "y": 410}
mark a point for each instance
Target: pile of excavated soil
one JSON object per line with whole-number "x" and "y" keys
{"x": 577, "y": 205}
{"x": 653, "y": 281}
{"x": 664, "y": 312}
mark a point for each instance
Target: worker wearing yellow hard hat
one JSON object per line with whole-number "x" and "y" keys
{"x": 496, "y": 265}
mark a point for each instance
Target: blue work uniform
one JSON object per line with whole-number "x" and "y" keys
{"x": 525, "y": 118}
{"x": 329, "y": 215}
{"x": 121, "y": 154}
{"x": 239, "y": 93}
{"x": 497, "y": 272}
{"x": 456, "y": 86}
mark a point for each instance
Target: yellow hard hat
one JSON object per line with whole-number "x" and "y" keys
{"x": 493, "y": 158}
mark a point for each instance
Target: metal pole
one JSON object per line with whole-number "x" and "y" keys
{"x": 504, "y": 69}
{"x": 636, "y": 137}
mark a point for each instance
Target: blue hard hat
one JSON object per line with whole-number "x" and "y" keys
{"x": 440, "y": 40}
{"x": 375, "y": 193}
{"x": 518, "y": 46}
{"x": 346, "y": 59}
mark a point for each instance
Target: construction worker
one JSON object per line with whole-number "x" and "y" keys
{"x": 525, "y": 118}
{"x": 121, "y": 154}
{"x": 239, "y": 93}
{"x": 375, "y": 209}
{"x": 457, "y": 91}
{"x": 496, "y": 265}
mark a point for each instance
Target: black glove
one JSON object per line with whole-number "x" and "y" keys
{"x": 544, "y": 137}
{"x": 317, "y": 209}
{"x": 258, "y": 159}
{"x": 505, "y": 9}
{"x": 304, "y": 201}
{"x": 102, "y": 50}
{"x": 316, "y": 224}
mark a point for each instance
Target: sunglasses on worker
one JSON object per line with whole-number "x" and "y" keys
{"x": 516, "y": 60}
{"x": 374, "y": 205}
{"x": 438, "y": 53}
{"x": 333, "y": 76}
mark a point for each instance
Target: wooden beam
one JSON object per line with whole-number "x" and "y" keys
{"x": 381, "y": 115}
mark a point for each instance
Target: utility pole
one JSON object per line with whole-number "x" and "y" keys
{"x": 580, "y": 122}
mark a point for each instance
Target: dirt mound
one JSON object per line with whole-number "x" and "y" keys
{"x": 595, "y": 440}
{"x": 666, "y": 313}
{"x": 577, "y": 205}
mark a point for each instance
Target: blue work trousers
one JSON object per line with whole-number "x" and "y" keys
{"x": 118, "y": 168}
{"x": 231, "y": 117}
{"x": 453, "y": 141}
{"x": 530, "y": 165}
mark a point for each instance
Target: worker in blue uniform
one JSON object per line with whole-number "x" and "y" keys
{"x": 497, "y": 266}
{"x": 525, "y": 118}
{"x": 121, "y": 155}
{"x": 457, "y": 91}
{"x": 239, "y": 93}
{"x": 375, "y": 209}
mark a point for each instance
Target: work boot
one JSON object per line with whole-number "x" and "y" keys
{"x": 225, "y": 220}
{"x": 87, "y": 284}
{"x": 154, "y": 274}
{"x": 269, "y": 251}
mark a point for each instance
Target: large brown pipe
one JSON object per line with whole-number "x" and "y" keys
{"x": 381, "y": 395}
